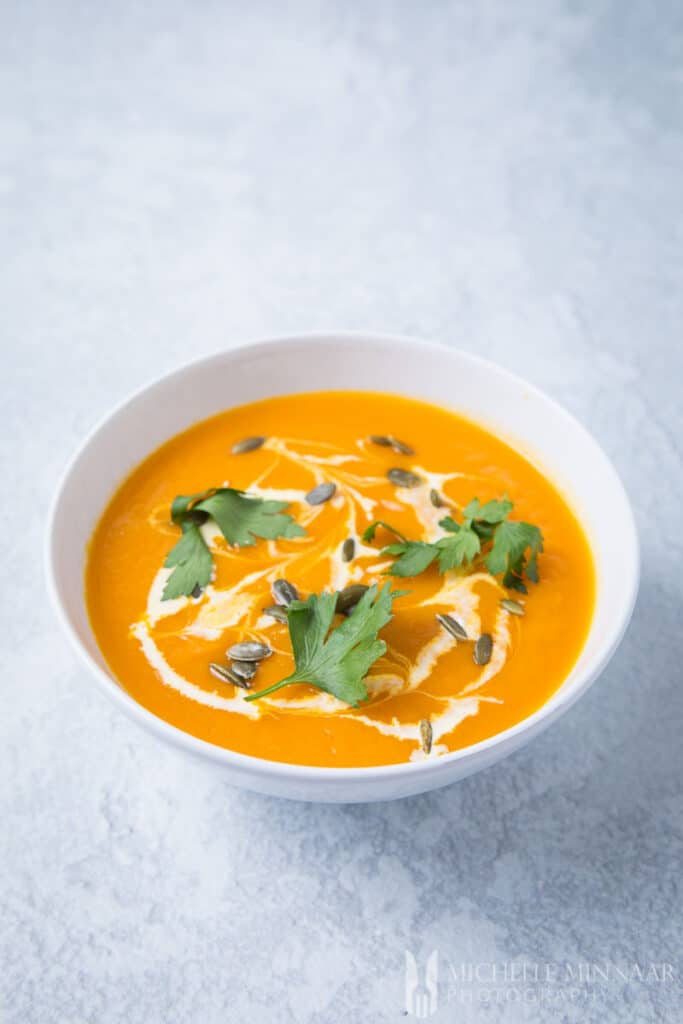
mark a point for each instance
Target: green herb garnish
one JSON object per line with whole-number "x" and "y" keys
{"x": 191, "y": 562}
{"x": 370, "y": 531}
{"x": 505, "y": 546}
{"x": 509, "y": 553}
{"x": 336, "y": 660}
{"x": 414, "y": 557}
{"x": 240, "y": 517}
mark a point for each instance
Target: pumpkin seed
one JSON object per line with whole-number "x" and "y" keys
{"x": 321, "y": 493}
{"x": 276, "y": 611}
{"x": 388, "y": 441}
{"x": 483, "y": 649}
{"x": 404, "y": 478}
{"x": 226, "y": 675}
{"x": 453, "y": 627}
{"x": 400, "y": 447}
{"x": 284, "y": 592}
{"x": 247, "y": 444}
{"x": 249, "y": 651}
{"x": 349, "y": 597}
{"x": 348, "y": 549}
{"x": 426, "y": 735}
{"x": 436, "y": 499}
{"x": 244, "y": 670}
{"x": 514, "y": 607}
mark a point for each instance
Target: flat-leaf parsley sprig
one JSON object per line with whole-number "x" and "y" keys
{"x": 504, "y": 546}
{"x": 241, "y": 518}
{"x": 336, "y": 660}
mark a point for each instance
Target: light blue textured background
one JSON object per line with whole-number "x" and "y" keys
{"x": 175, "y": 178}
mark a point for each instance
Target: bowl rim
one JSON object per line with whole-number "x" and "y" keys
{"x": 555, "y": 706}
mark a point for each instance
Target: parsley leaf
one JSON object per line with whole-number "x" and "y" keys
{"x": 414, "y": 557}
{"x": 182, "y": 508}
{"x": 191, "y": 562}
{"x": 463, "y": 547}
{"x": 485, "y": 530}
{"x": 492, "y": 512}
{"x": 336, "y": 660}
{"x": 240, "y": 517}
{"x": 508, "y": 553}
{"x": 369, "y": 531}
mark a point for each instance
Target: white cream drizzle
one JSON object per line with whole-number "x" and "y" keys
{"x": 177, "y": 682}
{"x": 222, "y": 609}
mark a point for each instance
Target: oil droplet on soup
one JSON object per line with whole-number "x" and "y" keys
{"x": 428, "y": 682}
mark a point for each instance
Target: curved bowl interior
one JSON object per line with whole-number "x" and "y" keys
{"x": 540, "y": 428}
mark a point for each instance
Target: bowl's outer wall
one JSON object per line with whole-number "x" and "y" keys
{"x": 486, "y": 393}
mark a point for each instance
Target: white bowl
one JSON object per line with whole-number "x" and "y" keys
{"x": 547, "y": 434}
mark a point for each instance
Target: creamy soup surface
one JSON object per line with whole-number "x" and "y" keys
{"x": 161, "y": 650}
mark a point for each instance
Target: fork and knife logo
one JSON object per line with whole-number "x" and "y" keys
{"x": 422, "y": 987}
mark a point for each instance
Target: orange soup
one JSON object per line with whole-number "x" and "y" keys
{"x": 335, "y": 537}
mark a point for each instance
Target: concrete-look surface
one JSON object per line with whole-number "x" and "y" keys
{"x": 175, "y": 178}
